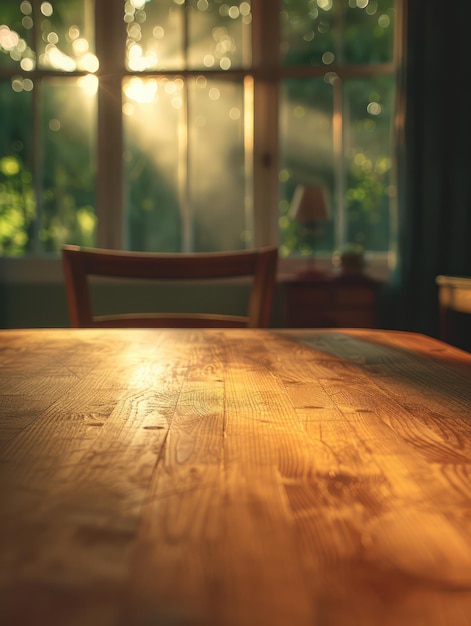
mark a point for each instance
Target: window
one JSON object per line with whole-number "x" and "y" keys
{"x": 189, "y": 124}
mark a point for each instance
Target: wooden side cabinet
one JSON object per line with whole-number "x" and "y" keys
{"x": 330, "y": 301}
{"x": 454, "y": 300}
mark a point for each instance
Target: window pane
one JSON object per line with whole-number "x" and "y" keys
{"x": 306, "y": 139}
{"x": 219, "y": 179}
{"x": 218, "y": 34}
{"x": 307, "y": 35}
{"x": 155, "y": 167}
{"x": 369, "y": 32}
{"x": 17, "y": 204}
{"x": 68, "y": 120}
{"x": 368, "y": 106}
{"x": 155, "y": 35}
{"x": 65, "y": 36}
{"x": 337, "y": 31}
{"x": 186, "y": 181}
{"x": 16, "y": 35}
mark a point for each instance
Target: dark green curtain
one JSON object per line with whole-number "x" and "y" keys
{"x": 435, "y": 160}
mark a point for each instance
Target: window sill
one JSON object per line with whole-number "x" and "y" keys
{"x": 49, "y": 270}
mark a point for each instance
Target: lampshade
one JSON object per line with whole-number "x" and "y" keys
{"x": 309, "y": 204}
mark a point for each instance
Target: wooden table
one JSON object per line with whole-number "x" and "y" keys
{"x": 234, "y": 478}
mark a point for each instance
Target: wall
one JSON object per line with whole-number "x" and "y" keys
{"x": 32, "y": 305}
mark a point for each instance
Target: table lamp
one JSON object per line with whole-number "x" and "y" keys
{"x": 310, "y": 207}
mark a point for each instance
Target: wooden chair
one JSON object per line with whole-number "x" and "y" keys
{"x": 454, "y": 301}
{"x": 80, "y": 263}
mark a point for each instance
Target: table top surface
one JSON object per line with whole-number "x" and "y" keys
{"x": 234, "y": 478}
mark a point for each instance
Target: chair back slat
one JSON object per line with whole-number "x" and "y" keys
{"x": 81, "y": 263}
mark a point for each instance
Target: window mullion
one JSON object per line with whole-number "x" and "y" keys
{"x": 110, "y": 48}
{"x": 266, "y": 61}
{"x": 184, "y": 157}
{"x": 184, "y": 160}
{"x": 340, "y": 222}
{"x": 37, "y": 166}
{"x": 37, "y": 156}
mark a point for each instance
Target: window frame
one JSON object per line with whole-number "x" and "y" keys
{"x": 267, "y": 73}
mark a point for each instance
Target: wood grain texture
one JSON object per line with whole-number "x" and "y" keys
{"x": 234, "y": 477}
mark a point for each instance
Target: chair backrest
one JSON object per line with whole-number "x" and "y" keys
{"x": 80, "y": 263}
{"x": 454, "y": 296}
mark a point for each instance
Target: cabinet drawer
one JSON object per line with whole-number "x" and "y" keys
{"x": 331, "y": 303}
{"x": 304, "y": 295}
{"x": 354, "y": 318}
{"x": 353, "y": 297}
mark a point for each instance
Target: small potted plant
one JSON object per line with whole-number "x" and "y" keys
{"x": 349, "y": 259}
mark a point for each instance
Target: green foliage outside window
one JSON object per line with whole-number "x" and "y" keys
{"x": 17, "y": 206}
